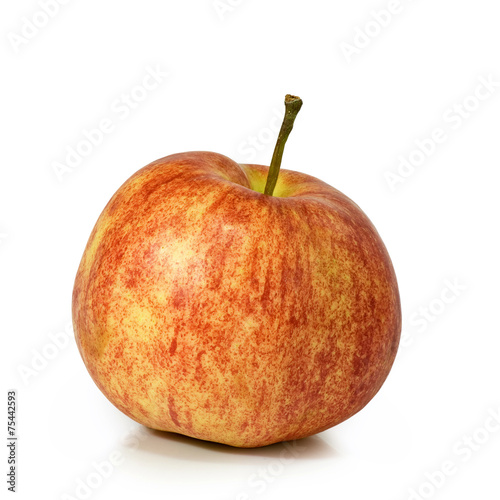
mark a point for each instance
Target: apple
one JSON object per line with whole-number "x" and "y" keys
{"x": 239, "y": 304}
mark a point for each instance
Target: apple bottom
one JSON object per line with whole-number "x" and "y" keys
{"x": 262, "y": 399}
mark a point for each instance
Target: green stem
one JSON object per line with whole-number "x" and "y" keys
{"x": 293, "y": 105}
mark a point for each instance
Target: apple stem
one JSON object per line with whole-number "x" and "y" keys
{"x": 293, "y": 105}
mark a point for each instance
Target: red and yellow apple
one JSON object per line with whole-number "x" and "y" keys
{"x": 204, "y": 307}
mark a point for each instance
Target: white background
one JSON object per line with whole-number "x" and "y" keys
{"x": 366, "y": 101}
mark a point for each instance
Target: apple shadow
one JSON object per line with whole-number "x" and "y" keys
{"x": 182, "y": 447}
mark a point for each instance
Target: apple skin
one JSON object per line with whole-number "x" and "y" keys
{"x": 203, "y": 307}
